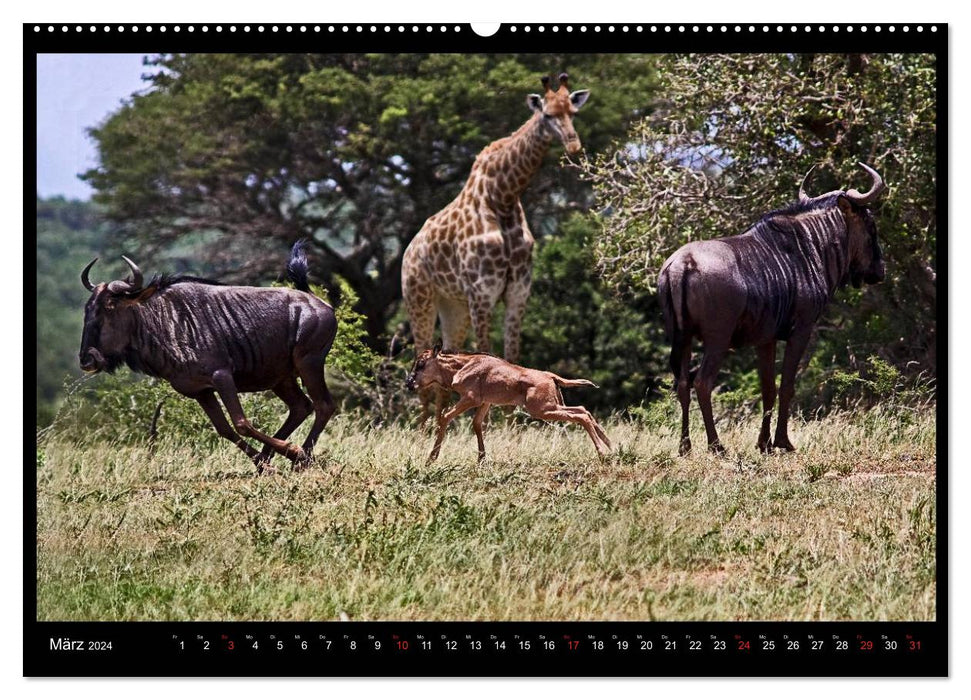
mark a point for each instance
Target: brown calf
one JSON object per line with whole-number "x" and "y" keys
{"x": 484, "y": 381}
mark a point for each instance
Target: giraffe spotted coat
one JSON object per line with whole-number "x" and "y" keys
{"x": 478, "y": 249}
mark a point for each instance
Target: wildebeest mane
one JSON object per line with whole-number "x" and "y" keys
{"x": 164, "y": 281}
{"x": 796, "y": 208}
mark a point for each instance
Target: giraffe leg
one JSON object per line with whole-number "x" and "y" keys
{"x": 421, "y": 311}
{"x": 455, "y": 319}
{"x": 480, "y": 309}
{"x": 516, "y": 296}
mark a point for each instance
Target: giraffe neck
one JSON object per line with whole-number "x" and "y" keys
{"x": 510, "y": 164}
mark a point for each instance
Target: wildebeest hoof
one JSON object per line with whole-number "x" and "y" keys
{"x": 765, "y": 447}
{"x": 266, "y": 470}
{"x": 716, "y": 448}
{"x": 684, "y": 448}
{"x": 785, "y": 445}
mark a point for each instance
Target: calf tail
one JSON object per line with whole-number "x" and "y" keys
{"x": 297, "y": 266}
{"x": 573, "y": 382}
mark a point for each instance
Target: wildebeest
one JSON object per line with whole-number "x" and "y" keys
{"x": 206, "y": 338}
{"x": 770, "y": 283}
{"x": 482, "y": 381}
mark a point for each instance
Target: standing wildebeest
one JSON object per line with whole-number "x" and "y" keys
{"x": 770, "y": 283}
{"x": 482, "y": 381}
{"x": 205, "y": 338}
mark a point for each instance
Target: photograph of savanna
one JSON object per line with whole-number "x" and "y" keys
{"x": 486, "y": 337}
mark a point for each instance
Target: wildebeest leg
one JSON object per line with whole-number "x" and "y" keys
{"x": 226, "y": 387}
{"x": 464, "y": 404}
{"x": 477, "y": 422}
{"x": 680, "y": 365}
{"x": 766, "y": 354}
{"x": 215, "y": 412}
{"x": 704, "y": 383}
{"x": 311, "y": 371}
{"x": 300, "y": 407}
{"x": 795, "y": 347}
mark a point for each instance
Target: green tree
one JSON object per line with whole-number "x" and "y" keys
{"x": 577, "y": 327}
{"x": 69, "y": 234}
{"x": 732, "y": 140}
{"x": 225, "y": 160}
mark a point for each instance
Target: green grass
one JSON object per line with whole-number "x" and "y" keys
{"x": 842, "y": 529}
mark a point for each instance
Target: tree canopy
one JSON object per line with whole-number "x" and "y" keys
{"x": 733, "y": 137}
{"x": 225, "y": 160}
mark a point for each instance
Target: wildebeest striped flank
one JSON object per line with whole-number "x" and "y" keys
{"x": 770, "y": 283}
{"x": 206, "y": 338}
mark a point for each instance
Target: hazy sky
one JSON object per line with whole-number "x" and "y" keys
{"x": 74, "y": 92}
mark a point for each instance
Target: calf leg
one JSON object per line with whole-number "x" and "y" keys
{"x": 704, "y": 383}
{"x": 300, "y": 407}
{"x": 766, "y": 354}
{"x": 311, "y": 371}
{"x": 464, "y": 404}
{"x": 539, "y": 406}
{"x": 795, "y": 347}
{"x": 226, "y": 387}
{"x": 477, "y": 422}
{"x": 215, "y": 412}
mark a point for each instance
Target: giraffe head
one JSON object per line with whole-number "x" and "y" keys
{"x": 556, "y": 109}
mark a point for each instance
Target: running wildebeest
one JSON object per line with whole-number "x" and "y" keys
{"x": 206, "y": 338}
{"x": 482, "y": 380}
{"x": 770, "y": 283}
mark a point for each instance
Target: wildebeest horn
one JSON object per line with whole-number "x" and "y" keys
{"x": 875, "y": 190}
{"x": 125, "y": 287}
{"x": 136, "y": 274}
{"x": 84, "y": 276}
{"x": 803, "y": 197}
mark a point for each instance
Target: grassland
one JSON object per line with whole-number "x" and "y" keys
{"x": 843, "y": 529}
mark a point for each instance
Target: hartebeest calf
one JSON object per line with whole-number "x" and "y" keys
{"x": 483, "y": 381}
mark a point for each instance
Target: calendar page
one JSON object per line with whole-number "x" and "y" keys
{"x": 529, "y": 350}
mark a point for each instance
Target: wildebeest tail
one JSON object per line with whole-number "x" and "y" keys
{"x": 297, "y": 266}
{"x": 666, "y": 291}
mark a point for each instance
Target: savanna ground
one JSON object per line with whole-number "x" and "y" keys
{"x": 843, "y": 529}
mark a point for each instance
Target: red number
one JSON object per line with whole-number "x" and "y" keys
{"x": 744, "y": 646}
{"x": 866, "y": 645}
{"x": 231, "y": 646}
{"x": 573, "y": 645}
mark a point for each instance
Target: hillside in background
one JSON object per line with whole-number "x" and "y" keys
{"x": 69, "y": 235}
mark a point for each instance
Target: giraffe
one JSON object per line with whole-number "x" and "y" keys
{"x": 478, "y": 250}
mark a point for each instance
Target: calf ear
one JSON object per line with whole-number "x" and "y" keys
{"x": 534, "y": 102}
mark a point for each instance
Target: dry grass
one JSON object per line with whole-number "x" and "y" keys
{"x": 843, "y": 529}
